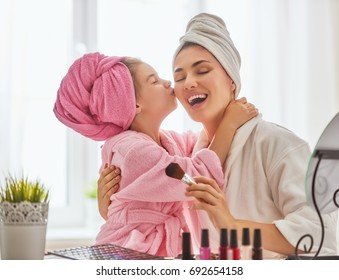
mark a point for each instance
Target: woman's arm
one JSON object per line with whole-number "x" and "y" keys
{"x": 108, "y": 184}
{"x": 212, "y": 200}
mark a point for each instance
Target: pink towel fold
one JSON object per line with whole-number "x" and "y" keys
{"x": 96, "y": 97}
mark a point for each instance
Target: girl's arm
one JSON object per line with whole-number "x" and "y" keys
{"x": 236, "y": 114}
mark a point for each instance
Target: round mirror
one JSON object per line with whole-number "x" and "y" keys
{"x": 322, "y": 177}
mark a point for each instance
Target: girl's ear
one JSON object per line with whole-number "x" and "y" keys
{"x": 137, "y": 109}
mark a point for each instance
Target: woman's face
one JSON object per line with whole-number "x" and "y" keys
{"x": 201, "y": 84}
{"x": 155, "y": 96}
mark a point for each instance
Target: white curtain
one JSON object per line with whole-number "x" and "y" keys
{"x": 290, "y": 59}
{"x": 300, "y": 89}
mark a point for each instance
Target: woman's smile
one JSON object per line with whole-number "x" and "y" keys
{"x": 196, "y": 99}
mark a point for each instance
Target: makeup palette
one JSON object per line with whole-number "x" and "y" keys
{"x": 103, "y": 252}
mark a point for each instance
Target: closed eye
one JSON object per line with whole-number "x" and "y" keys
{"x": 203, "y": 72}
{"x": 179, "y": 79}
{"x": 152, "y": 78}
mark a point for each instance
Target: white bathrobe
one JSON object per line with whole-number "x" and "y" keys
{"x": 265, "y": 182}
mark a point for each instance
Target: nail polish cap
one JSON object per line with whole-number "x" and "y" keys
{"x": 186, "y": 246}
{"x": 234, "y": 239}
{"x": 245, "y": 237}
{"x": 257, "y": 238}
{"x": 204, "y": 238}
{"x": 223, "y": 237}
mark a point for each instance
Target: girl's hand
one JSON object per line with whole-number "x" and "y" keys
{"x": 239, "y": 112}
{"x": 212, "y": 200}
{"x": 108, "y": 184}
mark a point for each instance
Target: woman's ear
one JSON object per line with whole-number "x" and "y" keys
{"x": 233, "y": 87}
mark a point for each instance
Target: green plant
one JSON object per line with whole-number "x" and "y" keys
{"x": 21, "y": 189}
{"x": 91, "y": 192}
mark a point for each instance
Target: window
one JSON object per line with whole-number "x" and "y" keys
{"x": 36, "y": 56}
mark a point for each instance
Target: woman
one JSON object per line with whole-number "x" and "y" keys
{"x": 143, "y": 216}
{"x": 266, "y": 166}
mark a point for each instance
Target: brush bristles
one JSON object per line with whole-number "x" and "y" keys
{"x": 175, "y": 171}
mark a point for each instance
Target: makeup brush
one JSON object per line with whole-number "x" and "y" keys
{"x": 175, "y": 171}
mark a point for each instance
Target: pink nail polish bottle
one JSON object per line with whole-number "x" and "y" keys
{"x": 205, "y": 250}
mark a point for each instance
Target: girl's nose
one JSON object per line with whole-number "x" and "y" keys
{"x": 167, "y": 84}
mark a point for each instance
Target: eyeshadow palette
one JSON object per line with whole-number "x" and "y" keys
{"x": 103, "y": 252}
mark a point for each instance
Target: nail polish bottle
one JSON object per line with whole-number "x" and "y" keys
{"x": 205, "y": 250}
{"x": 233, "y": 252}
{"x": 245, "y": 251}
{"x": 223, "y": 244}
{"x": 257, "y": 249}
{"x": 186, "y": 246}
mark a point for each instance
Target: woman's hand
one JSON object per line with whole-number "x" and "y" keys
{"x": 212, "y": 200}
{"x": 108, "y": 184}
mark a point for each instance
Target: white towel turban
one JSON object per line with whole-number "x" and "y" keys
{"x": 210, "y": 32}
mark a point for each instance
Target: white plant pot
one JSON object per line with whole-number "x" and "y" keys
{"x": 23, "y": 230}
{"x": 23, "y": 242}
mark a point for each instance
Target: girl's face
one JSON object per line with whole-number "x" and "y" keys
{"x": 201, "y": 84}
{"x": 155, "y": 96}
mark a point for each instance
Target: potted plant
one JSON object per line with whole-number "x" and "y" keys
{"x": 23, "y": 218}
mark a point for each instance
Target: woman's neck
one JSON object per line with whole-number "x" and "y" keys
{"x": 211, "y": 127}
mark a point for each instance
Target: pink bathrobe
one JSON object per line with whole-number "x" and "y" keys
{"x": 146, "y": 214}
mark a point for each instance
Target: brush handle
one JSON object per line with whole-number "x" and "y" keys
{"x": 188, "y": 179}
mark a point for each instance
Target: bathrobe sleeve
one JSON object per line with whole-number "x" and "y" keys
{"x": 286, "y": 175}
{"x": 143, "y": 163}
{"x": 184, "y": 142}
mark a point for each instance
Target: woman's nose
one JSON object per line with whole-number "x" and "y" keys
{"x": 190, "y": 83}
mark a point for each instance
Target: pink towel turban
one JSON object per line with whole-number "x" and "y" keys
{"x": 210, "y": 32}
{"x": 96, "y": 97}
